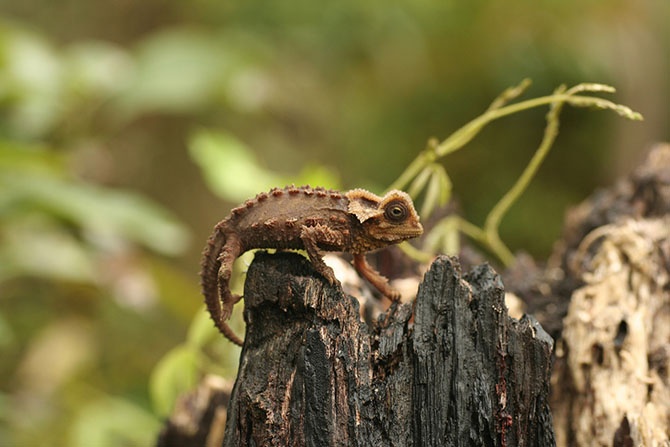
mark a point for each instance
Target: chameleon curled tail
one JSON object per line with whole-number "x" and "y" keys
{"x": 211, "y": 284}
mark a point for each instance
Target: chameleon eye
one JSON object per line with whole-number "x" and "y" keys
{"x": 396, "y": 211}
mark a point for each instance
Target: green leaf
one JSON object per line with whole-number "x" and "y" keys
{"x": 103, "y": 213}
{"x": 177, "y": 70}
{"x": 38, "y": 247}
{"x": 202, "y": 330}
{"x": 98, "y": 68}
{"x": 7, "y": 339}
{"x": 315, "y": 175}
{"x": 233, "y": 172}
{"x": 31, "y": 79}
{"x": 229, "y": 166}
{"x": 33, "y": 159}
{"x": 111, "y": 422}
{"x": 445, "y": 184}
{"x": 419, "y": 182}
{"x": 176, "y": 373}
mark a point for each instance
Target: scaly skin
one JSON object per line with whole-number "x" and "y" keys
{"x": 313, "y": 219}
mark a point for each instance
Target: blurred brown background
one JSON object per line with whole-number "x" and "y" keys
{"x": 128, "y": 129}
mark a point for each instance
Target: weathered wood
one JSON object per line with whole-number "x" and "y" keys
{"x": 311, "y": 373}
{"x": 612, "y": 375}
{"x": 547, "y": 289}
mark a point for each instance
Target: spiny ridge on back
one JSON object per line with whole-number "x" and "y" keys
{"x": 291, "y": 190}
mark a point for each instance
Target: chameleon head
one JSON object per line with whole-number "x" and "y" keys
{"x": 386, "y": 220}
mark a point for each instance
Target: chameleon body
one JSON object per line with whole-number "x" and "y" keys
{"x": 313, "y": 219}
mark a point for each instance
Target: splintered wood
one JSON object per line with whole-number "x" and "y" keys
{"x": 612, "y": 381}
{"x": 616, "y": 323}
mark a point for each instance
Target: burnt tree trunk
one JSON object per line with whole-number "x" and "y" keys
{"x": 462, "y": 372}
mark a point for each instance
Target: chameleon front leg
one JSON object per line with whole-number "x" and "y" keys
{"x": 311, "y": 237}
{"x": 380, "y": 282}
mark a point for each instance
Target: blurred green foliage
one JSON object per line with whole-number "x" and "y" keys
{"x": 233, "y": 173}
{"x": 127, "y": 130}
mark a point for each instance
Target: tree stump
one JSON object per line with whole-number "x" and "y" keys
{"x": 313, "y": 374}
{"x": 456, "y": 370}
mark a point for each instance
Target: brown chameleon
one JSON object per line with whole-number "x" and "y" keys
{"x": 313, "y": 219}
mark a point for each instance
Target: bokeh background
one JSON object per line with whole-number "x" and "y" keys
{"x": 128, "y": 129}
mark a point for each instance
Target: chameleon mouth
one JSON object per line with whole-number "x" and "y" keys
{"x": 416, "y": 231}
{"x": 409, "y": 233}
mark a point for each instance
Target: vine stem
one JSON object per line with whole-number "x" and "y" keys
{"x": 466, "y": 133}
{"x": 492, "y": 222}
{"x": 489, "y": 235}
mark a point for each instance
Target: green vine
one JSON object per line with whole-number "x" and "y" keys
{"x": 425, "y": 173}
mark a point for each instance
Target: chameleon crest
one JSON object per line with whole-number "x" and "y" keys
{"x": 391, "y": 218}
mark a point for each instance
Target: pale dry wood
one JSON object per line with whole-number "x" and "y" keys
{"x": 611, "y": 385}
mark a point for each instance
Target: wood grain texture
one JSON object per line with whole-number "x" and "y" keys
{"x": 312, "y": 374}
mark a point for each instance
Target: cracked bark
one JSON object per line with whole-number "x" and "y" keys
{"x": 313, "y": 374}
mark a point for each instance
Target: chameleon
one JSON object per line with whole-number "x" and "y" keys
{"x": 311, "y": 219}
